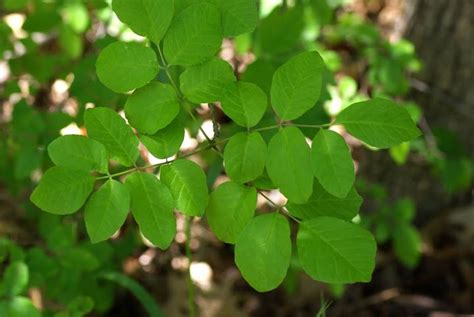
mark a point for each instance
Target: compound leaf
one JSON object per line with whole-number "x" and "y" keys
{"x": 152, "y": 208}
{"x": 122, "y": 67}
{"x": 106, "y": 210}
{"x": 378, "y": 122}
{"x": 62, "y": 190}
{"x": 79, "y": 152}
{"x": 188, "y": 185}
{"x": 110, "y": 129}
{"x": 231, "y": 206}
{"x": 332, "y": 163}
{"x": 263, "y": 251}
{"x": 245, "y": 156}
{"x": 335, "y": 251}
{"x": 289, "y": 164}
{"x": 296, "y": 85}
{"x": 152, "y": 107}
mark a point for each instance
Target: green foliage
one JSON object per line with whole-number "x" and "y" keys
{"x": 125, "y": 66}
{"x": 194, "y": 36}
{"x": 106, "y": 210}
{"x": 231, "y": 206}
{"x": 161, "y": 81}
{"x": 378, "y": 122}
{"x": 263, "y": 251}
{"x": 152, "y": 208}
{"x": 245, "y": 103}
{"x": 152, "y": 107}
{"x": 187, "y": 183}
{"x": 107, "y": 127}
{"x": 332, "y": 163}
{"x": 296, "y": 85}
{"x": 335, "y": 251}
{"x": 244, "y": 156}
{"x": 62, "y": 190}
{"x": 289, "y": 164}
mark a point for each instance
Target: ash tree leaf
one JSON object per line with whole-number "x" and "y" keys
{"x": 378, "y": 122}
{"x": 152, "y": 107}
{"x": 106, "y": 210}
{"x": 194, "y": 36}
{"x": 321, "y": 203}
{"x": 231, "y": 206}
{"x": 263, "y": 251}
{"x": 331, "y": 250}
{"x": 245, "y": 156}
{"x": 166, "y": 142}
{"x": 152, "y": 208}
{"x": 245, "y": 103}
{"x": 332, "y": 163}
{"x": 62, "y": 191}
{"x": 149, "y": 18}
{"x": 122, "y": 67}
{"x": 296, "y": 85}
{"x": 188, "y": 185}
{"x": 238, "y": 16}
{"x": 110, "y": 129}
{"x": 79, "y": 152}
{"x": 289, "y": 164}
{"x": 15, "y": 279}
{"x": 206, "y": 82}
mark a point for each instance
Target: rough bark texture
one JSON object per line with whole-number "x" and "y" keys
{"x": 443, "y": 34}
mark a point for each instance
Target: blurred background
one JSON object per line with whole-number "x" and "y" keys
{"x": 418, "y": 195}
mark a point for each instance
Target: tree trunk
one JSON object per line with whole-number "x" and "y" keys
{"x": 443, "y": 34}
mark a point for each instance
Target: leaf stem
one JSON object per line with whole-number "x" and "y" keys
{"x": 191, "y": 293}
{"x": 279, "y": 208}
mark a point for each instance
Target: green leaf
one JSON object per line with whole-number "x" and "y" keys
{"x": 15, "y": 279}
{"x": 78, "y": 259}
{"x": 322, "y": 203}
{"x": 106, "y": 210}
{"x": 407, "y": 245}
{"x": 289, "y": 164}
{"x": 297, "y": 84}
{"x": 152, "y": 208}
{"x": 206, "y": 82}
{"x": 245, "y": 156}
{"x": 378, "y": 122}
{"x": 238, "y": 16}
{"x": 335, "y": 251}
{"x": 152, "y": 107}
{"x": 332, "y": 163}
{"x": 194, "y": 36}
{"x": 62, "y": 190}
{"x": 122, "y": 67}
{"x": 166, "y": 142}
{"x": 231, "y": 207}
{"x": 110, "y": 129}
{"x": 150, "y": 18}
{"x": 263, "y": 251}
{"x": 188, "y": 185}
{"x": 245, "y": 103}
{"x": 19, "y": 307}
{"x": 78, "y": 152}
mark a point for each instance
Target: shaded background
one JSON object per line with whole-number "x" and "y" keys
{"x": 418, "y": 197}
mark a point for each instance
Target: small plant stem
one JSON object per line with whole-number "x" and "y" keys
{"x": 191, "y": 294}
{"x": 279, "y": 208}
